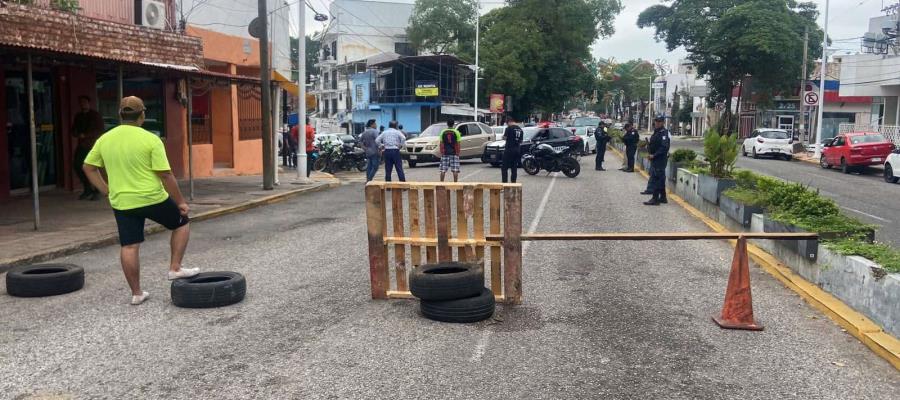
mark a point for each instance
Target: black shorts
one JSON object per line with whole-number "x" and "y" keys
{"x": 131, "y": 222}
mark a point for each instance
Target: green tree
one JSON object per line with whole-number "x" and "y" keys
{"x": 313, "y": 48}
{"x": 730, "y": 39}
{"x": 684, "y": 113}
{"x": 444, "y": 27}
{"x": 538, "y": 51}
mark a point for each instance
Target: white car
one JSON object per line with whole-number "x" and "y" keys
{"x": 619, "y": 126}
{"x": 769, "y": 142}
{"x": 892, "y": 161}
{"x": 498, "y": 132}
{"x": 585, "y": 127}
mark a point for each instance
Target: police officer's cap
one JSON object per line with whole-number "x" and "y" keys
{"x": 659, "y": 119}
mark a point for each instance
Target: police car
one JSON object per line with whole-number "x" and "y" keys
{"x": 556, "y": 137}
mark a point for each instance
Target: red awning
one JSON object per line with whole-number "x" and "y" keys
{"x": 835, "y": 97}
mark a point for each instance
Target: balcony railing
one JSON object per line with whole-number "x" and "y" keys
{"x": 120, "y": 11}
{"x": 892, "y": 132}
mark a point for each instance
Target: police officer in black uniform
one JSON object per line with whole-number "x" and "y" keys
{"x": 659, "y": 157}
{"x": 511, "y": 151}
{"x": 630, "y": 139}
{"x": 602, "y": 136}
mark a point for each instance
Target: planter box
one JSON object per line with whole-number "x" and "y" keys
{"x": 686, "y": 186}
{"x": 711, "y": 188}
{"x": 672, "y": 170}
{"x": 808, "y": 249}
{"x": 740, "y": 212}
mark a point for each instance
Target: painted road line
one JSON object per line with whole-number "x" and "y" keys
{"x": 481, "y": 346}
{"x": 856, "y": 324}
{"x": 867, "y": 214}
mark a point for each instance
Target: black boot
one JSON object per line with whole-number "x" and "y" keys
{"x": 654, "y": 201}
{"x": 663, "y": 199}
{"x": 646, "y": 192}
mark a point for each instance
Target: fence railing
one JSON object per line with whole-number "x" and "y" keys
{"x": 892, "y": 132}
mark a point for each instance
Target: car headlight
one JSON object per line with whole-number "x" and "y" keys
{"x": 431, "y": 147}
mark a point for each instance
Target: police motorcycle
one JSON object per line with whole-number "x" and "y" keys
{"x": 545, "y": 157}
{"x": 342, "y": 157}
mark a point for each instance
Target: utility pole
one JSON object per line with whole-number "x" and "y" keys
{"x": 803, "y": 83}
{"x": 650, "y": 102}
{"x": 477, "y": 37}
{"x": 265, "y": 76}
{"x": 301, "y": 96}
{"x": 818, "y": 153}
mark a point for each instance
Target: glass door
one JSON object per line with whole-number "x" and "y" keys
{"x": 19, "y": 135}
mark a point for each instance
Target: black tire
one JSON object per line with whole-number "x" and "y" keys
{"x": 889, "y": 174}
{"x": 586, "y": 150}
{"x": 320, "y": 164}
{"x": 743, "y": 151}
{"x": 412, "y": 164}
{"x": 495, "y": 165}
{"x": 530, "y": 166}
{"x": 754, "y": 153}
{"x": 472, "y": 309}
{"x": 844, "y": 167}
{"x": 571, "y": 168}
{"x": 823, "y": 163}
{"x": 209, "y": 289}
{"x": 446, "y": 281}
{"x": 362, "y": 165}
{"x": 44, "y": 280}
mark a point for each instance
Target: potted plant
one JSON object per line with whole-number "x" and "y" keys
{"x": 721, "y": 153}
{"x": 678, "y": 159}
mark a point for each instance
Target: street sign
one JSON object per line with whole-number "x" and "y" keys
{"x": 810, "y": 99}
{"x": 497, "y": 101}
{"x": 659, "y": 85}
{"x": 427, "y": 88}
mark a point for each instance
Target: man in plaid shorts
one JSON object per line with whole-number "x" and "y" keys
{"x": 449, "y": 148}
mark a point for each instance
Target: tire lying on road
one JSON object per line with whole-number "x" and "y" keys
{"x": 446, "y": 281}
{"x": 44, "y": 280}
{"x": 209, "y": 289}
{"x": 472, "y": 309}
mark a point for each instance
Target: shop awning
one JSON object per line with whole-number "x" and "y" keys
{"x": 462, "y": 110}
{"x": 285, "y": 83}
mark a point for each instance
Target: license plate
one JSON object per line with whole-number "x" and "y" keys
{"x": 412, "y": 157}
{"x": 876, "y": 159}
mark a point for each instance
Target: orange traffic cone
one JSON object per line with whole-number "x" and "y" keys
{"x": 737, "y": 312}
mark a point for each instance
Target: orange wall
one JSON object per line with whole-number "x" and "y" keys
{"x": 176, "y": 131}
{"x": 203, "y": 160}
{"x": 222, "y": 126}
{"x": 226, "y": 48}
{"x": 248, "y": 157}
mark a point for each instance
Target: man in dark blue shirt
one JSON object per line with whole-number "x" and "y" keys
{"x": 511, "y": 150}
{"x": 630, "y": 139}
{"x": 659, "y": 157}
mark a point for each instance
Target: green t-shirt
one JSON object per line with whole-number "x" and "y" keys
{"x": 449, "y": 138}
{"x": 131, "y": 156}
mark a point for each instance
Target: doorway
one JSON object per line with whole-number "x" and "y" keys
{"x": 786, "y": 122}
{"x": 18, "y": 131}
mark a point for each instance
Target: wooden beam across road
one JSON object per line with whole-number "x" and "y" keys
{"x": 661, "y": 236}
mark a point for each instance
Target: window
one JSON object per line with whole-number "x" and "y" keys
{"x": 404, "y": 49}
{"x": 839, "y": 141}
{"x": 249, "y": 113}
{"x": 334, "y": 105}
{"x": 776, "y": 135}
{"x": 557, "y": 133}
{"x": 359, "y": 93}
{"x": 867, "y": 139}
{"x": 201, "y": 121}
{"x": 150, "y": 90}
{"x": 463, "y": 130}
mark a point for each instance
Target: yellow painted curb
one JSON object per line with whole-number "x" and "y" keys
{"x": 856, "y": 324}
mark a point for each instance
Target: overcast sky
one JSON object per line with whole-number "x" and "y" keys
{"x": 847, "y": 19}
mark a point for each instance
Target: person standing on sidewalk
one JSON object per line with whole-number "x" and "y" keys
{"x": 391, "y": 141}
{"x": 310, "y": 147}
{"x": 513, "y": 135}
{"x": 289, "y": 149}
{"x": 141, "y": 186}
{"x": 659, "y": 157}
{"x": 86, "y": 127}
{"x": 602, "y": 136}
{"x": 630, "y": 139}
{"x": 367, "y": 140}
{"x": 449, "y": 149}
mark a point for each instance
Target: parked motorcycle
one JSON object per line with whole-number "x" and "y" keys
{"x": 340, "y": 158}
{"x": 546, "y": 157}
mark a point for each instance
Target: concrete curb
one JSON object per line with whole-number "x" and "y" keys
{"x": 856, "y": 324}
{"x": 111, "y": 239}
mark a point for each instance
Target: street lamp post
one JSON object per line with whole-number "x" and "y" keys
{"x": 477, "y": 37}
{"x": 301, "y": 97}
{"x": 818, "y": 153}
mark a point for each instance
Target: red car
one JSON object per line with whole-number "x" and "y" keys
{"x": 855, "y": 150}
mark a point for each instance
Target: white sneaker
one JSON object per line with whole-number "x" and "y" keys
{"x": 183, "y": 273}
{"x": 137, "y": 300}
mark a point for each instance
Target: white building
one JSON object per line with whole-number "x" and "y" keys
{"x": 876, "y": 74}
{"x": 358, "y": 30}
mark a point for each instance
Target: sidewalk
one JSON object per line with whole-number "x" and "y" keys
{"x": 69, "y": 225}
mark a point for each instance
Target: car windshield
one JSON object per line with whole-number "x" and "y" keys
{"x": 867, "y": 139}
{"x": 530, "y": 132}
{"x": 775, "y": 135}
{"x": 433, "y": 130}
{"x": 586, "y": 121}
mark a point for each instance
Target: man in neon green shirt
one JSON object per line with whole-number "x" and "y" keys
{"x": 141, "y": 186}
{"x": 449, "y": 149}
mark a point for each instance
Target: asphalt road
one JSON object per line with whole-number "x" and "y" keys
{"x": 623, "y": 320}
{"x": 865, "y": 195}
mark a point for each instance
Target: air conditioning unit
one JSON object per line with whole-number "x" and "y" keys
{"x": 150, "y": 13}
